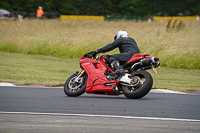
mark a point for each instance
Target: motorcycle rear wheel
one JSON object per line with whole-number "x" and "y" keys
{"x": 74, "y": 88}
{"x": 142, "y": 88}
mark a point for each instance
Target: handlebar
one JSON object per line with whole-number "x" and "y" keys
{"x": 89, "y": 55}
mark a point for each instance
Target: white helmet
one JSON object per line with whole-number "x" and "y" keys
{"x": 40, "y": 7}
{"x": 121, "y": 33}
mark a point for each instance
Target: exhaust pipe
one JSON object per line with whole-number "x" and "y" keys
{"x": 146, "y": 63}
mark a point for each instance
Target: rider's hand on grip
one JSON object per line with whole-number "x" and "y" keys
{"x": 93, "y": 53}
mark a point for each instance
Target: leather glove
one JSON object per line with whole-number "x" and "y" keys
{"x": 94, "y": 53}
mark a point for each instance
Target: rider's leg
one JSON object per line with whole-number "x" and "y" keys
{"x": 114, "y": 63}
{"x": 117, "y": 67}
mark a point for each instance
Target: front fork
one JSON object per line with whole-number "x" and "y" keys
{"x": 80, "y": 73}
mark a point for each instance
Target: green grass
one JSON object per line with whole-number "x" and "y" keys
{"x": 177, "y": 49}
{"x": 26, "y": 69}
{"x": 23, "y": 69}
{"x": 184, "y": 80}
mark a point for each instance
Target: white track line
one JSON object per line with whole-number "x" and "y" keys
{"x": 166, "y": 91}
{"x": 104, "y": 116}
{"x": 6, "y": 84}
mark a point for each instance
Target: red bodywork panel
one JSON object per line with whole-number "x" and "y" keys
{"x": 136, "y": 57}
{"x": 96, "y": 77}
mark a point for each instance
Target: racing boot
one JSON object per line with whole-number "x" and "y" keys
{"x": 118, "y": 69}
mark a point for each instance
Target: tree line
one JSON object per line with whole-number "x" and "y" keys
{"x": 106, "y": 7}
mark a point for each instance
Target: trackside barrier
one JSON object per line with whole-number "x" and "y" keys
{"x": 102, "y": 18}
{"x": 173, "y": 17}
{"x": 129, "y": 18}
{"x": 86, "y": 18}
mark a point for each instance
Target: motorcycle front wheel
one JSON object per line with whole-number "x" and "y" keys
{"x": 75, "y": 86}
{"x": 142, "y": 88}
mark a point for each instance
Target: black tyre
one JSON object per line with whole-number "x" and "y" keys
{"x": 74, "y": 88}
{"x": 142, "y": 88}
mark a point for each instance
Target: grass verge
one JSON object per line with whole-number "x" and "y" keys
{"x": 26, "y": 69}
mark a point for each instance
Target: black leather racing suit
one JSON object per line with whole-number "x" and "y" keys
{"x": 127, "y": 47}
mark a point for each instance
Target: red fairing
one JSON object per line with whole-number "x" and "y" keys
{"x": 96, "y": 77}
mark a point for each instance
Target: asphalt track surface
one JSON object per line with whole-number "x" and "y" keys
{"x": 35, "y": 109}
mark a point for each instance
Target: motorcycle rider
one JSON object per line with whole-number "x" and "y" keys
{"x": 127, "y": 47}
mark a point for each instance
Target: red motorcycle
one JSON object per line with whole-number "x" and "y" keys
{"x": 96, "y": 77}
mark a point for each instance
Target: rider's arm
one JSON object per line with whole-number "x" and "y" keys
{"x": 111, "y": 46}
